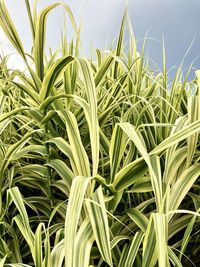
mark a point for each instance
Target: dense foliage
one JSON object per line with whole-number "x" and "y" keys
{"x": 99, "y": 157}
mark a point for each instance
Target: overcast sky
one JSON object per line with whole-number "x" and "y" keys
{"x": 177, "y": 20}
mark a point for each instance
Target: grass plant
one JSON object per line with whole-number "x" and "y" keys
{"x": 99, "y": 157}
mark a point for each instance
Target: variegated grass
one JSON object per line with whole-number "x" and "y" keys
{"x": 99, "y": 160}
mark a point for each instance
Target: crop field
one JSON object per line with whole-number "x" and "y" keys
{"x": 99, "y": 156}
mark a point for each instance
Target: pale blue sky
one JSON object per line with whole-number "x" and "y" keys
{"x": 177, "y": 20}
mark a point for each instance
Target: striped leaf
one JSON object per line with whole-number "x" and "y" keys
{"x": 76, "y": 197}
{"x": 99, "y": 221}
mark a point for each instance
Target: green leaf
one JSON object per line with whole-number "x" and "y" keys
{"x": 92, "y": 103}
{"x": 38, "y": 245}
{"x": 2, "y": 261}
{"x": 130, "y": 174}
{"x": 6, "y": 115}
{"x": 138, "y": 218}
{"x": 76, "y": 197}
{"x": 183, "y": 185}
{"x": 117, "y": 147}
{"x": 99, "y": 221}
{"x": 153, "y": 162}
{"x": 63, "y": 170}
{"x": 78, "y": 151}
{"x": 160, "y": 225}
{"x": 51, "y": 76}
{"x": 133, "y": 250}
{"x": 150, "y": 253}
{"x": 84, "y": 241}
{"x": 39, "y": 43}
{"x": 22, "y": 220}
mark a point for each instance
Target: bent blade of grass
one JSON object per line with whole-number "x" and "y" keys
{"x": 90, "y": 114}
{"x": 6, "y": 115}
{"x": 14, "y": 148}
{"x": 64, "y": 147}
{"x": 78, "y": 151}
{"x": 22, "y": 219}
{"x": 138, "y": 218}
{"x": 92, "y": 118}
{"x": 177, "y": 137}
{"x": 28, "y": 90}
{"x": 50, "y": 99}
{"x": 130, "y": 174}
{"x": 39, "y": 42}
{"x": 117, "y": 239}
{"x": 93, "y": 125}
{"x": 51, "y": 76}
{"x": 183, "y": 185}
{"x": 63, "y": 170}
{"x": 153, "y": 163}
{"x": 92, "y": 102}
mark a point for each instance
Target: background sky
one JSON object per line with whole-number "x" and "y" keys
{"x": 177, "y": 20}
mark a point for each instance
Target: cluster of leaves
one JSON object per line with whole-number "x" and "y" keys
{"x": 99, "y": 159}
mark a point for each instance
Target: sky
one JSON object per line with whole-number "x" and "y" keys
{"x": 177, "y": 21}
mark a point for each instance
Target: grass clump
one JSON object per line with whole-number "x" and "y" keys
{"x": 99, "y": 159}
